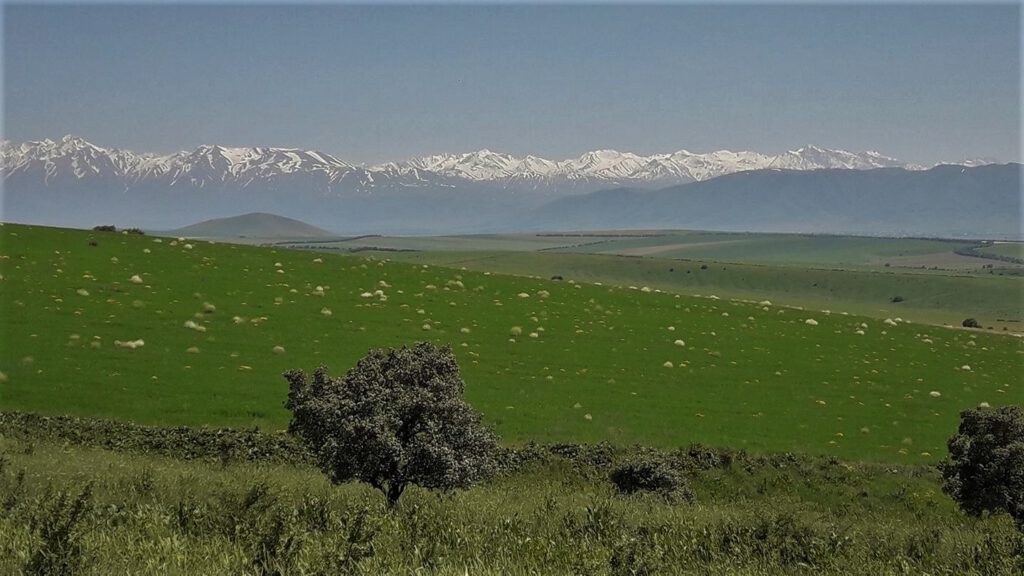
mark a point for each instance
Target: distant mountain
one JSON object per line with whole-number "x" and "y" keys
{"x": 75, "y": 159}
{"x": 73, "y": 182}
{"x": 603, "y": 167}
{"x": 949, "y": 201}
{"x": 253, "y": 225}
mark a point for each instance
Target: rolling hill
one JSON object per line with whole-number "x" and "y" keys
{"x": 945, "y": 201}
{"x": 252, "y": 225}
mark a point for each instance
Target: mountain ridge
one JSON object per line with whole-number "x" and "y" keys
{"x": 216, "y": 165}
{"x": 75, "y": 183}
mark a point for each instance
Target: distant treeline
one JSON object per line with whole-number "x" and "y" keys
{"x": 254, "y": 445}
{"x": 976, "y": 252}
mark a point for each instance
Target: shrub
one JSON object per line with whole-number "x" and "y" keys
{"x": 985, "y": 467}
{"x": 397, "y": 418}
{"x": 105, "y": 228}
{"x": 970, "y": 323}
{"x": 649, "y": 476}
{"x": 59, "y": 550}
{"x": 896, "y": 299}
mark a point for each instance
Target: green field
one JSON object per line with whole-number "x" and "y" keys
{"x": 934, "y": 298}
{"x": 152, "y": 514}
{"x": 588, "y": 365}
{"x": 800, "y": 250}
{"x": 859, "y": 275}
{"x": 1011, "y": 249}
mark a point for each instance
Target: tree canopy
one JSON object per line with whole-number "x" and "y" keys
{"x": 396, "y": 418}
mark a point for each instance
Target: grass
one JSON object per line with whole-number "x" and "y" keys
{"x": 937, "y": 298}
{"x": 757, "y": 379}
{"x": 796, "y": 250}
{"x": 141, "y": 513}
{"x": 1011, "y": 249}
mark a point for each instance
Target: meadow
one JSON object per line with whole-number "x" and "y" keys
{"x": 794, "y": 250}
{"x": 179, "y": 332}
{"x": 862, "y": 275}
{"x": 79, "y": 509}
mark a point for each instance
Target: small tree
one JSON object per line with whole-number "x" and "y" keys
{"x": 970, "y": 323}
{"x": 397, "y": 418}
{"x": 985, "y": 468}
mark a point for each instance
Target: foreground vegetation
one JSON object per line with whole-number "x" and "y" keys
{"x": 159, "y": 507}
{"x": 190, "y": 333}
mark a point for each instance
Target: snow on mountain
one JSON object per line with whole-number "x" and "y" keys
{"x": 220, "y": 166}
{"x": 69, "y": 157}
{"x": 611, "y": 166}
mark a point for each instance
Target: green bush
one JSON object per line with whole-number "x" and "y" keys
{"x": 985, "y": 468}
{"x": 397, "y": 418}
{"x": 59, "y": 551}
{"x": 649, "y": 476}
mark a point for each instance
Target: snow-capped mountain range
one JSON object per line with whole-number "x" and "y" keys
{"x": 72, "y": 158}
{"x": 72, "y": 182}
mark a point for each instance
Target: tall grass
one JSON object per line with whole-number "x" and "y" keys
{"x": 71, "y": 509}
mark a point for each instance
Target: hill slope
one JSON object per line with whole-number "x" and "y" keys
{"x": 252, "y": 225}
{"x": 158, "y": 331}
{"x": 952, "y": 201}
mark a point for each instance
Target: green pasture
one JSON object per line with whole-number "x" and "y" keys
{"x": 587, "y": 363}
{"x": 996, "y": 301}
{"x": 798, "y": 250}
{"x": 784, "y": 249}
{"x": 1011, "y": 249}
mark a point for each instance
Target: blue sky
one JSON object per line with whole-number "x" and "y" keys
{"x": 372, "y": 83}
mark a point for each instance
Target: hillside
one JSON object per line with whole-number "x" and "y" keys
{"x": 945, "y": 201}
{"x": 548, "y": 361}
{"x": 252, "y": 225}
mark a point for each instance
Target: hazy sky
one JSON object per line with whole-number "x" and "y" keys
{"x": 922, "y": 83}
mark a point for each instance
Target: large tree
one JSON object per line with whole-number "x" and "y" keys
{"x": 985, "y": 468}
{"x": 397, "y": 418}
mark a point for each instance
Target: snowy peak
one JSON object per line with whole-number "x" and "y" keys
{"x": 73, "y": 158}
{"x": 812, "y": 157}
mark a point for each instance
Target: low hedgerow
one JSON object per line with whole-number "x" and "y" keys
{"x": 223, "y": 444}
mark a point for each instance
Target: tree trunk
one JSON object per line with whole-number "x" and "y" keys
{"x": 395, "y": 490}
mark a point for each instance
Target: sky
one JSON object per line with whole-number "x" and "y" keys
{"x": 923, "y": 83}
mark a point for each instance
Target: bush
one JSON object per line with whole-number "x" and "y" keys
{"x": 397, "y": 418}
{"x": 896, "y": 299}
{"x": 649, "y": 476}
{"x": 985, "y": 467}
{"x": 970, "y": 323}
{"x": 58, "y": 526}
{"x": 105, "y": 228}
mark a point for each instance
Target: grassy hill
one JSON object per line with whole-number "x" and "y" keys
{"x": 253, "y": 225}
{"x": 589, "y": 363}
{"x": 928, "y": 297}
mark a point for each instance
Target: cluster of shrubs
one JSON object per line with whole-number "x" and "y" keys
{"x": 223, "y": 444}
{"x": 226, "y": 444}
{"x": 112, "y": 228}
{"x": 982, "y": 473}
